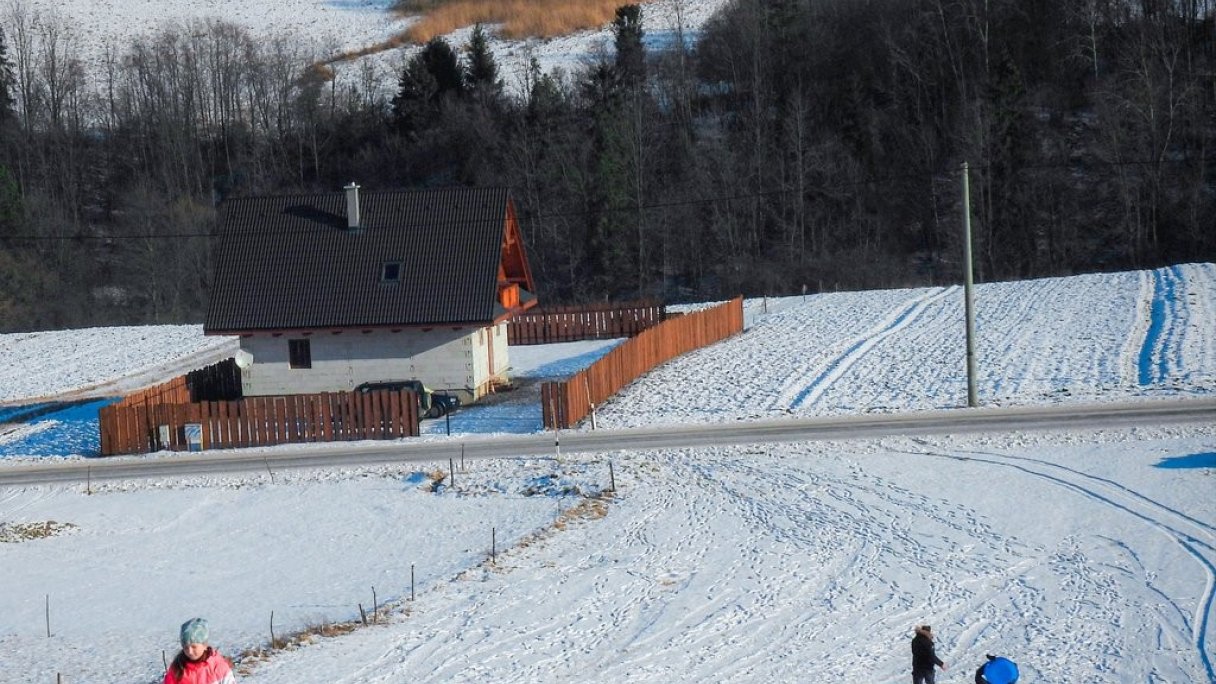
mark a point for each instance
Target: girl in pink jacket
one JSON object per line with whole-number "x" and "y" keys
{"x": 198, "y": 663}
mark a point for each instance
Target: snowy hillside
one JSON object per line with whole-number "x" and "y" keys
{"x": 91, "y": 27}
{"x": 1086, "y": 556}
{"x": 1091, "y": 337}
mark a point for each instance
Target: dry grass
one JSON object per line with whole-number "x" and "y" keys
{"x": 515, "y": 19}
{"x": 511, "y": 19}
{"x": 18, "y": 532}
{"x": 249, "y": 659}
{"x": 591, "y": 508}
{"x": 436, "y": 477}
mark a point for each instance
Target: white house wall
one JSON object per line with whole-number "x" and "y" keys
{"x": 446, "y": 359}
{"x": 502, "y": 359}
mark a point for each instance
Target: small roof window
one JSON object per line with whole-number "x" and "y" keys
{"x": 390, "y": 272}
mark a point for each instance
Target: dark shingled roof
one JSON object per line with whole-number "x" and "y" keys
{"x": 290, "y": 262}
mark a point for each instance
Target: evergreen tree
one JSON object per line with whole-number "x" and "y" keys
{"x": 416, "y": 91}
{"x": 481, "y": 71}
{"x": 545, "y": 98}
{"x": 630, "y": 65}
{"x": 427, "y": 79}
{"x": 444, "y": 65}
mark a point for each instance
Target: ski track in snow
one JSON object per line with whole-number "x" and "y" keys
{"x": 782, "y": 545}
{"x": 1196, "y": 538}
{"x": 815, "y": 551}
{"x": 905, "y": 349}
{"x": 1165, "y": 322}
{"x": 810, "y": 394}
{"x": 1173, "y": 347}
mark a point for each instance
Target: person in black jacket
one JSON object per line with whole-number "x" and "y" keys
{"x": 923, "y": 656}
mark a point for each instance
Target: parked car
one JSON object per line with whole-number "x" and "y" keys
{"x": 431, "y": 404}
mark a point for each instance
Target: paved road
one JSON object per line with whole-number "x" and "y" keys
{"x": 959, "y": 421}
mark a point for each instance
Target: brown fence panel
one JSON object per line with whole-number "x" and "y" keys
{"x": 277, "y": 423}
{"x": 257, "y": 421}
{"x": 131, "y": 427}
{"x": 568, "y": 401}
{"x": 140, "y": 429}
{"x": 270, "y": 427}
{"x": 238, "y": 432}
{"x": 378, "y": 431}
{"x": 292, "y": 433}
{"x": 134, "y": 427}
{"x": 586, "y": 322}
{"x": 397, "y": 425}
{"x": 350, "y": 409}
{"x": 306, "y": 410}
{"x": 223, "y": 426}
{"x": 204, "y": 419}
{"x": 316, "y": 418}
{"x": 327, "y": 417}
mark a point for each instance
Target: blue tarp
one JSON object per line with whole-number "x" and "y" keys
{"x": 60, "y": 429}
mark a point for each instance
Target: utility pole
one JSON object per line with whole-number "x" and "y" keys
{"x": 968, "y": 295}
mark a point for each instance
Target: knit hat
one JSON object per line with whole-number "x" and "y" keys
{"x": 194, "y": 632}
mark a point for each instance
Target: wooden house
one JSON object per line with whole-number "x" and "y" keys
{"x": 328, "y": 291}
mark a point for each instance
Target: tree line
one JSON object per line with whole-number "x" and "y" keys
{"x": 787, "y": 146}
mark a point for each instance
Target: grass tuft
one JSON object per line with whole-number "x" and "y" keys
{"x": 12, "y": 533}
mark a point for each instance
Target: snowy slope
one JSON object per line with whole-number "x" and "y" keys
{"x": 1085, "y": 556}
{"x": 1092, "y": 337}
{"x": 328, "y": 27}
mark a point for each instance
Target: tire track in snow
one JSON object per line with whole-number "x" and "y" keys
{"x": 1199, "y": 542}
{"x": 837, "y": 367}
{"x": 1160, "y": 354}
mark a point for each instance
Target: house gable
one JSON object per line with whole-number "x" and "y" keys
{"x": 515, "y": 286}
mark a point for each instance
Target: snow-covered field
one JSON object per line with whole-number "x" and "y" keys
{"x": 1086, "y": 556}
{"x": 331, "y": 27}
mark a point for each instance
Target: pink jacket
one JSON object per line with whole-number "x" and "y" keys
{"x": 212, "y": 668}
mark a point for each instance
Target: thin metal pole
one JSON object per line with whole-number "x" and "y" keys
{"x": 968, "y": 294}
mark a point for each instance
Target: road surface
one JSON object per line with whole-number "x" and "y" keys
{"x": 344, "y": 454}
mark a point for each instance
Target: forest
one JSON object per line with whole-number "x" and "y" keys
{"x": 787, "y": 146}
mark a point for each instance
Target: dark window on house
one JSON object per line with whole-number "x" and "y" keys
{"x": 300, "y": 353}
{"x": 390, "y": 272}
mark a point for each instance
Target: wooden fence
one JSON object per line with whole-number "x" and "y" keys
{"x": 176, "y": 391}
{"x": 217, "y": 382}
{"x": 586, "y": 322}
{"x": 565, "y": 403}
{"x": 143, "y": 424}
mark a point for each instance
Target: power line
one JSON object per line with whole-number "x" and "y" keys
{"x": 429, "y": 224}
{"x": 716, "y": 199}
